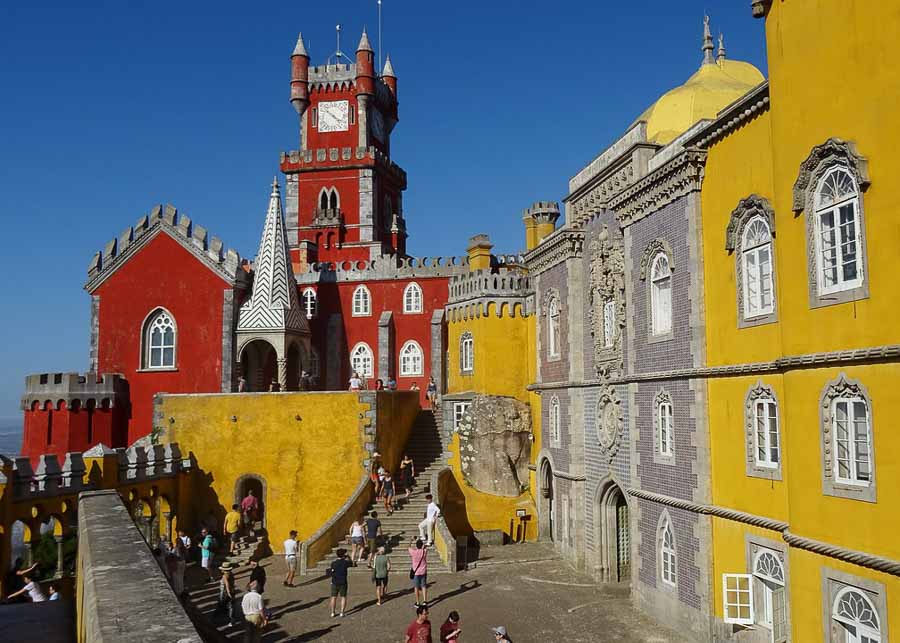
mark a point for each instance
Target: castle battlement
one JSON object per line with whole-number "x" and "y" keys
{"x": 388, "y": 267}
{"x": 108, "y": 389}
{"x": 327, "y": 157}
{"x": 193, "y": 236}
{"x": 331, "y": 76}
{"x": 545, "y": 211}
{"x": 503, "y": 291}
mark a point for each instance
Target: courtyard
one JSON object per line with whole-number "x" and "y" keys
{"x": 526, "y": 588}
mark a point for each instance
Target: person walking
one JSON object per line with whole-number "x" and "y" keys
{"x": 249, "y": 509}
{"x": 291, "y": 547}
{"x": 450, "y": 629}
{"x": 231, "y": 527}
{"x": 257, "y": 575}
{"x": 338, "y": 570}
{"x": 426, "y": 527}
{"x": 227, "y": 592}
{"x": 419, "y": 631}
{"x": 180, "y": 553}
{"x": 418, "y": 571}
{"x": 206, "y": 552}
{"x": 500, "y": 634}
{"x": 431, "y": 393}
{"x": 357, "y": 540}
{"x": 407, "y": 474}
{"x": 373, "y": 534}
{"x": 381, "y": 566}
{"x": 32, "y": 588}
{"x": 387, "y": 490}
{"x": 374, "y": 466}
{"x": 254, "y": 614}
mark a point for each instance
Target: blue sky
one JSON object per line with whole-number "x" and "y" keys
{"x": 109, "y": 109}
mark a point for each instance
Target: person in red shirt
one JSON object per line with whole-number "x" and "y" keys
{"x": 450, "y": 629}
{"x": 419, "y": 631}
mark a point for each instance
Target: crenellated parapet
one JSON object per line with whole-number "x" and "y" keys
{"x": 343, "y": 157}
{"x": 504, "y": 291}
{"x": 387, "y": 267}
{"x": 195, "y": 238}
{"x": 102, "y": 390}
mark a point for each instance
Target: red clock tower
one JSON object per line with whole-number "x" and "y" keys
{"x": 344, "y": 194}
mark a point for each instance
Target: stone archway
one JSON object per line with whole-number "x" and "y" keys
{"x": 259, "y": 365}
{"x": 546, "y": 519}
{"x": 614, "y": 533}
{"x": 256, "y": 483}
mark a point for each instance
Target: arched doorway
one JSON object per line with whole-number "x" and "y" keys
{"x": 259, "y": 365}
{"x": 257, "y": 484}
{"x": 615, "y": 534}
{"x": 545, "y": 501}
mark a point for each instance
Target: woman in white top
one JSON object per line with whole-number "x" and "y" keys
{"x": 357, "y": 540}
{"x": 33, "y": 589}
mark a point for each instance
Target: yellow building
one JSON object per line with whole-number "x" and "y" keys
{"x": 798, "y": 234}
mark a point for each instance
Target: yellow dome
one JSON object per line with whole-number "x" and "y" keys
{"x": 712, "y": 88}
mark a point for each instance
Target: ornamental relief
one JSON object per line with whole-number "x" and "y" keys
{"x": 610, "y": 424}
{"x": 759, "y": 391}
{"x": 607, "y": 284}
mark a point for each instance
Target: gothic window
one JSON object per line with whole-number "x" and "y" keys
{"x": 333, "y": 199}
{"x": 855, "y": 618}
{"x": 771, "y": 603}
{"x": 661, "y": 295}
{"x": 553, "y": 420}
{"x": 553, "y": 328}
{"x": 310, "y": 303}
{"x": 668, "y": 560}
{"x": 323, "y": 199}
{"x": 314, "y": 117}
{"x": 362, "y": 302}
{"x": 412, "y": 299}
{"x": 848, "y": 450}
{"x": 361, "y": 360}
{"x": 763, "y": 435}
{"x": 609, "y": 323}
{"x": 466, "y": 353}
{"x": 665, "y": 422}
{"x": 756, "y": 255}
{"x": 159, "y": 340}
{"x": 411, "y": 360}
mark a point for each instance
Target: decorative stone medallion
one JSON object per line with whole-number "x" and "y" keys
{"x": 610, "y": 423}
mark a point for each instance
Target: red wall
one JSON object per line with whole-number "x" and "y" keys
{"x": 350, "y": 138}
{"x": 162, "y": 274}
{"x": 73, "y": 429}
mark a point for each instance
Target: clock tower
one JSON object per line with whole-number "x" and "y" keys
{"x": 344, "y": 194}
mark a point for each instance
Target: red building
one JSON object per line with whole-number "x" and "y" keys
{"x": 331, "y": 290}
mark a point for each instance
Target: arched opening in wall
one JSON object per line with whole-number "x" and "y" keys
{"x": 294, "y": 365}
{"x": 54, "y": 550}
{"x": 545, "y": 502}
{"x": 614, "y": 534}
{"x": 259, "y": 365}
{"x": 254, "y": 518}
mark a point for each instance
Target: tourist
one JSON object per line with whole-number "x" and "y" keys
{"x": 242, "y": 384}
{"x": 431, "y": 514}
{"x": 374, "y": 466}
{"x": 450, "y": 629}
{"x": 414, "y": 387}
{"x": 431, "y": 393}
{"x": 227, "y": 592}
{"x": 54, "y": 595}
{"x": 254, "y": 614}
{"x": 355, "y": 382}
{"x": 249, "y": 509}
{"x": 338, "y": 571}
{"x": 206, "y": 551}
{"x": 379, "y": 385}
{"x": 274, "y": 387}
{"x": 32, "y": 588}
{"x": 291, "y": 547}
{"x": 380, "y": 568}
{"x": 419, "y": 631}
{"x": 500, "y": 634}
{"x": 257, "y": 575}
{"x": 373, "y": 533}
{"x": 380, "y": 491}
{"x": 231, "y": 527}
{"x": 357, "y": 540}
{"x": 305, "y": 381}
{"x": 185, "y": 540}
{"x": 181, "y": 554}
{"x": 391, "y": 383}
{"x": 387, "y": 490}
{"x": 418, "y": 571}
{"x": 407, "y": 473}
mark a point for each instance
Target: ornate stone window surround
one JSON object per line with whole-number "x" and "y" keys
{"x": 610, "y": 424}
{"x": 607, "y": 299}
{"x": 159, "y": 319}
{"x": 667, "y": 553}
{"x": 823, "y": 159}
{"x": 663, "y": 436}
{"x": 653, "y": 250}
{"x": 466, "y": 353}
{"x": 750, "y": 208}
{"x": 310, "y": 303}
{"x": 756, "y": 468}
{"x": 836, "y": 584}
{"x": 554, "y": 422}
{"x": 552, "y": 309}
{"x": 843, "y": 389}
{"x": 755, "y": 547}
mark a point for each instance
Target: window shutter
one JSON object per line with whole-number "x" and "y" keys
{"x": 737, "y": 598}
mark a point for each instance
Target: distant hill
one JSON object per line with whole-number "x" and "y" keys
{"x": 10, "y": 435}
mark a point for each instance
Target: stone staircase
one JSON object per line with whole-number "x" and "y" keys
{"x": 427, "y": 452}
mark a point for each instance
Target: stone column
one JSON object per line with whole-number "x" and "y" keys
{"x": 168, "y": 518}
{"x": 282, "y": 373}
{"x": 60, "y": 558}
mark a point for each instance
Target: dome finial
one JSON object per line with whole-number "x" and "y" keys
{"x": 720, "y": 55}
{"x": 707, "y": 43}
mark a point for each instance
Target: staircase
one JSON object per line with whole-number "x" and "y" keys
{"x": 399, "y": 529}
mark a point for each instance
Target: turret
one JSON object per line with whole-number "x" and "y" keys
{"x": 540, "y": 222}
{"x": 388, "y": 76}
{"x": 300, "y": 77}
{"x": 479, "y": 252}
{"x": 365, "y": 85}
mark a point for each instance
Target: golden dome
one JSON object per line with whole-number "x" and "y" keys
{"x": 713, "y": 87}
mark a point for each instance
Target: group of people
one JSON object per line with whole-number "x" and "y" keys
{"x": 357, "y": 383}
{"x": 386, "y": 486}
{"x": 23, "y": 582}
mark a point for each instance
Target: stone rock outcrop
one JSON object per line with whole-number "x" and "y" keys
{"x": 495, "y": 445}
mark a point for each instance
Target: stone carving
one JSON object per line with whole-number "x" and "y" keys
{"x": 823, "y": 157}
{"x": 748, "y": 208}
{"x": 607, "y": 284}
{"x": 653, "y": 248}
{"x": 495, "y": 445}
{"x": 610, "y": 424}
{"x": 840, "y": 388}
{"x": 680, "y": 176}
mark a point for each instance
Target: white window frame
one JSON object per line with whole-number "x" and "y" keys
{"x": 411, "y": 352}
{"x": 412, "y": 299}
{"x": 852, "y": 447}
{"x": 737, "y": 599}
{"x": 754, "y": 274}
{"x": 661, "y": 310}
{"x": 860, "y": 630}
{"x": 769, "y": 409}
{"x": 159, "y": 317}
{"x": 609, "y": 323}
{"x": 553, "y": 420}
{"x": 665, "y": 421}
{"x": 362, "y": 360}
{"x": 668, "y": 555}
{"x": 467, "y": 353}
{"x": 310, "y": 303}
{"x": 835, "y": 210}
{"x": 553, "y": 327}
{"x": 362, "y": 302}
{"x": 459, "y": 411}
{"x": 772, "y": 590}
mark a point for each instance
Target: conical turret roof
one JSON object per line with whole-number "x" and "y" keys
{"x": 364, "y": 44}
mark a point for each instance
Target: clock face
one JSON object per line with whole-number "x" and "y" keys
{"x": 378, "y": 125}
{"x": 334, "y": 116}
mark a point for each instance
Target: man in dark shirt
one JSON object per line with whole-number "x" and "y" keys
{"x": 338, "y": 572}
{"x": 257, "y": 574}
{"x": 419, "y": 631}
{"x": 373, "y": 533}
{"x": 450, "y": 629}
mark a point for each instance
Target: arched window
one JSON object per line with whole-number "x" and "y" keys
{"x": 362, "y": 302}
{"x": 856, "y": 617}
{"x": 466, "y": 353}
{"x": 361, "y": 360}
{"x": 756, "y": 254}
{"x": 160, "y": 337}
{"x": 852, "y": 440}
{"x": 765, "y": 432}
{"x": 668, "y": 560}
{"x": 411, "y": 360}
{"x": 772, "y": 607}
{"x": 664, "y": 424}
{"x": 310, "y": 303}
{"x": 333, "y": 199}
{"x": 412, "y": 299}
{"x": 661, "y": 295}
{"x": 838, "y": 251}
{"x": 323, "y": 199}
{"x": 553, "y": 419}
{"x": 553, "y": 328}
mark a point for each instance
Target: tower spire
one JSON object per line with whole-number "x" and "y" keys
{"x": 707, "y": 43}
{"x": 720, "y": 55}
{"x": 364, "y": 44}
{"x": 300, "y": 48}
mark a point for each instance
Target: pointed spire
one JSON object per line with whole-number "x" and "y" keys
{"x": 720, "y": 55}
{"x": 300, "y": 48}
{"x": 364, "y": 44}
{"x": 275, "y": 189}
{"x": 707, "y": 43}
{"x": 388, "y": 68}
